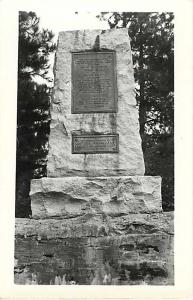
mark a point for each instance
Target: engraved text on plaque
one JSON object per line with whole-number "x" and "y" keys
{"x": 94, "y": 87}
{"x": 100, "y": 143}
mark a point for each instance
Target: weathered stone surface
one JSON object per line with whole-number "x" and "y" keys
{"x": 96, "y": 226}
{"x": 61, "y": 161}
{"x": 112, "y": 196}
{"x": 59, "y": 252}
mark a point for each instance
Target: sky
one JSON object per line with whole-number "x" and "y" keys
{"x": 62, "y": 21}
{"x": 69, "y": 20}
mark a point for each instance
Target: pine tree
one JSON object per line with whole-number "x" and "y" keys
{"x": 34, "y": 49}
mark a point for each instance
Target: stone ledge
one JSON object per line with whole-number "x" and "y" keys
{"x": 70, "y": 197}
{"x": 45, "y": 255}
{"x": 95, "y": 226}
{"x": 132, "y": 250}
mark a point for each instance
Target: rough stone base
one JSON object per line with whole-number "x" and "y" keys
{"x": 70, "y": 197}
{"x": 126, "y": 250}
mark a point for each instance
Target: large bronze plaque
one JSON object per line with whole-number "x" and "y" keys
{"x": 94, "y": 87}
{"x": 99, "y": 143}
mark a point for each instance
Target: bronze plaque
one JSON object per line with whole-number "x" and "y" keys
{"x": 94, "y": 87}
{"x": 98, "y": 143}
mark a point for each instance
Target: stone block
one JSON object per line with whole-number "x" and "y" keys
{"x": 111, "y": 196}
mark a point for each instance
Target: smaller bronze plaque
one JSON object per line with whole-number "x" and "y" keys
{"x": 96, "y": 143}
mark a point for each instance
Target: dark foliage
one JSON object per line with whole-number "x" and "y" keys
{"x": 33, "y": 99}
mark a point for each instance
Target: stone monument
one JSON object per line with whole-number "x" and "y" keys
{"x": 95, "y": 169}
{"x": 95, "y": 162}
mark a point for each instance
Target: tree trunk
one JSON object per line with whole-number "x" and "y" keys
{"x": 22, "y": 201}
{"x": 142, "y": 108}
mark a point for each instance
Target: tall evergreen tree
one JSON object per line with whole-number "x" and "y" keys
{"x": 35, "y": 47}
{"x": 152, "y": 44}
